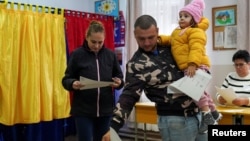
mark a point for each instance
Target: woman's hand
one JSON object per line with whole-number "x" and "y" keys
{"x": 240, "y": 101}
{"x": 77, "y": 85}
{"x": 221, "y": 100}
{"x": 117, "y": 82}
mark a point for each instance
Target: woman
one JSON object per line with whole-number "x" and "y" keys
{"x": 238, "y": 80}
{"x": 92, "y": 108}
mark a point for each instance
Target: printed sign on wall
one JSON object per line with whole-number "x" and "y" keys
{"x": 107, "y": 7}
{"x": 120, "y": 31}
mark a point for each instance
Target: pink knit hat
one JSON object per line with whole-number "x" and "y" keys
{"x": 195, "y": 8}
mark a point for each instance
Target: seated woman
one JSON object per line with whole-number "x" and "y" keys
{"x": 238, "y": 80}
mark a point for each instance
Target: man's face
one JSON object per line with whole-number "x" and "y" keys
{"x": 146, "y": 38}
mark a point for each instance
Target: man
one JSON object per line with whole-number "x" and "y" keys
{"x": 151, "y": 69}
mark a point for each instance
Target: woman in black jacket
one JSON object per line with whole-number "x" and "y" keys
{"x": 92, "y": 108}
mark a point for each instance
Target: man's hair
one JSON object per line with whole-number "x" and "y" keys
{"x": 145, "y": 21}
{"x": 241, "y": 54}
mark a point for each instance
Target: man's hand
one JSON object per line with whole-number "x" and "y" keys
{"x": 106, "y": 137}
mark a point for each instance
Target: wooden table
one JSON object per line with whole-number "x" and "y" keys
{"x": 245, "y": 116}
{"x": 232, "y": 113}
{"x": 145, "y": 112}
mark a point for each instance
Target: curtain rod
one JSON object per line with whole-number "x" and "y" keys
{"x": 53, "y": 9}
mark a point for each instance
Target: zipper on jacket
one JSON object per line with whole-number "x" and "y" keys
{"x": 98, "y": 89}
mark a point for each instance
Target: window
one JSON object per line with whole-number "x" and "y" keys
{"x": 166, "y": 12}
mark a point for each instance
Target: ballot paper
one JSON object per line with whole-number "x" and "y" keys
{"x": 192, "y": 86}
{"x": 90, "y": 84}
{"x": 228, "y": 94}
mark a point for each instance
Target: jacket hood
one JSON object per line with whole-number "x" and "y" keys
{"x": 203, "y": 24}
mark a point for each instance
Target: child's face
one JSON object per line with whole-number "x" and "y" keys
{"x": 185, "y": 19}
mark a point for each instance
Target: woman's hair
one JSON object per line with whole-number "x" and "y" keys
{"x": 241, "y": 54}
{"x": 94, "y": 27}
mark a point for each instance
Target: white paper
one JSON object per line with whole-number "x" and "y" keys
{"x": 192, "y": 86}
{"x": 228, "y": 94}
{"x": 90, "y": 84}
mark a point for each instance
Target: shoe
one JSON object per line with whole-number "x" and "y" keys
{"x": 216, "y": 115}
{"x": 206, "y": 119}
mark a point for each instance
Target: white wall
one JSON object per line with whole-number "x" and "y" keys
{"x": 218, "y": 57}
{"x": 78, "y": 5}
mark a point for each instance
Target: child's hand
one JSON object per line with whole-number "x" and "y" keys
{"x": 191, "y": 70}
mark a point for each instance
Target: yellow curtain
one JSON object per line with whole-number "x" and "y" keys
{"x": 32, "y": 63}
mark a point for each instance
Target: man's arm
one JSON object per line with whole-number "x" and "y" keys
{"x": 130, "y": 95}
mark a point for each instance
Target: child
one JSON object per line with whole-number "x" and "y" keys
{"x": 188, "y": 48}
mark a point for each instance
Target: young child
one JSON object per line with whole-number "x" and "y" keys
{"x": 188, "y": 43}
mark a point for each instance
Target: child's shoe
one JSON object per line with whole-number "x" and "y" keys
{"x": 216, "y": 115}
{"x": 206, "y": 119}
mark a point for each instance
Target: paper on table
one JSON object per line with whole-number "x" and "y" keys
{"x": 90, "y": 84}
{"x": 228, "y": 94}
{"x": 191, "y": 86}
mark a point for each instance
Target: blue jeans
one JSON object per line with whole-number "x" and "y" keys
{"x": 180, "y": 128}
{"x": 92, "y": 128}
